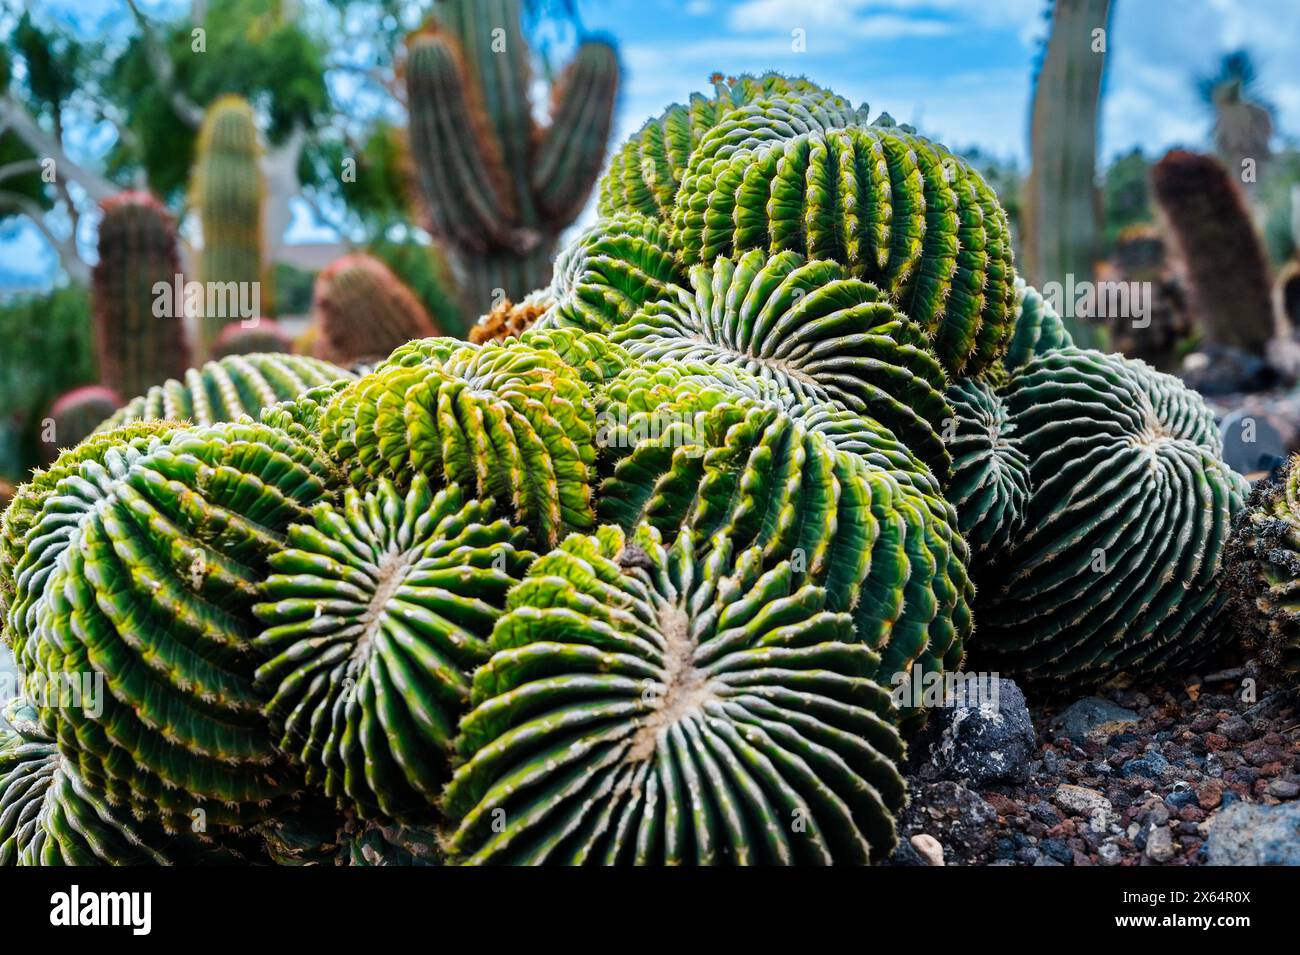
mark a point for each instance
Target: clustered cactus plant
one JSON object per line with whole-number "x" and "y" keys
{"x": 640, "y": 583}
{"x": 495, "y": 187}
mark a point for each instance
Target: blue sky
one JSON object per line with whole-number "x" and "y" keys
{"x": 958, "y": 69}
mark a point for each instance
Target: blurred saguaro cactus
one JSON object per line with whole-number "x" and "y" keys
{"x": 1061, "y": 222}
{"x": 228, "y": 190}
{"x": 137, "y": 250}
{"x": 496, "y": 187}
{"x": 1220, "y": 251}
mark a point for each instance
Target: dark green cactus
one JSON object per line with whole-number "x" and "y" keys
{"x": 894, "y": 209}
{"x": 1119, "y": 562}
{"x": 153, "y": 591}
{"x": 137, "y": 250}
{"x": 363, "y": 311}
{"x": 1264, "y": 570}
{"x": 1038, "y": 328}
{"x": 805, "y": 327}
{"x": 1062, "y": 235}
{"x": 645, "y": 706}
{"x": 1220, "y": 250}
{"x": 512, "y": 422}
{"x": 228, "y": 190}
{"x": 74, "y": 415}
{"x": 223, "y": 390}
{"x": 376, "y": 615}
{"x": 496, "y": 188}
{"x": 646, "y": 171}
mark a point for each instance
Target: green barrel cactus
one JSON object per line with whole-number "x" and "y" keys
{"x": 646, "y": 706}
{"x": 512, "y": 422}
{"x": 646, "y": 171}
{"x": 49, "y": 816}
{"x": 363, "y": 311}
{"x": 1119, "y": 561}
{"x": 894, "y": 209}
{"x": 152, "y": 595}
{"x": 266, "y": 336}
{"x": 223, "y": 390}
{"x": 807, "y": 327}
{"x": 887, "y": 550}
{"x": 496, "y": 187}
{"x": 609, "y": 271}
{"x": 990, "y": 486}
{"x": 137, "y": 250}
{"x": 376, "y": 615}
{"x": 1038, "y": 328}
{"x": 228, "y": 190}
{"x": 1264, "y": 570}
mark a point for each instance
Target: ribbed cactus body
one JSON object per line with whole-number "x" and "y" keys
{"x": 886, "y": 547}
{"x": 77, "y": 413}
{"x": 643, "y": 705}
{"x": 495, "y": 187}
{"x": 610, "y": 270}
{"x": 51, "y": 817}
{"x": 223, "y": 390}
{"x": 892, "y": 208}
{"x": 806, "y": 327}
{"x": 1264, "y": 575}
{"x": 364, "y": 311}
{"x": 228, "y": 191}
{"x": 373, "y": 629}
{"x": 263, "y": 337}
{"x": 137, "y": 249}
{"x": 646, "y": 171}
{"x": 1219, "y": 248}
{"x": 1038, "y": 328}
{"x": 511, "y": 422}
{"x": 1119, "y": 562}
{"x": 153, "y": 593}
{"x": 990, "y": 484}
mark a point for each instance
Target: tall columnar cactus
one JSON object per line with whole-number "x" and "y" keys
{"x": 228, "y": 190}
{"x": 1219, "y": 249}
{"x": 645, "y": 705}
{"x": 75, "y": 414}
{"x": 1061, "y": 230}
{"x": 152, "y": 589}
{"x": 137, "y": 249}
{"x": 378, "y": 626}
{"x": 804, "y": 326}
{"x": 1119, "y": 562}
{"x": 223, "y": 390}
{"x": 363, "y": 311}
{"x": 1264, "y": 562}
{"x": 495, "y": 187}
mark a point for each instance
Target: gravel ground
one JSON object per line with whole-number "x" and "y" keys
{"x": 1137, "y": 774}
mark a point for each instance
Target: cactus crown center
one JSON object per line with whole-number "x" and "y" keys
{"x": 684, "y": 689}
{"x": 391, "y": 574}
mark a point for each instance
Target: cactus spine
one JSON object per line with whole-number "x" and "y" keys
{"x": 496, "y": 189}
{"x": 228, "y": 191}
{"x": 1061, "y": 231}
{"x": 1220, "y": 251}
{"x": 137, "y": 249}
{"x": 364, "y": 311}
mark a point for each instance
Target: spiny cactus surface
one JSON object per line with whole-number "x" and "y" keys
{"x": 375, "y": 615}
{"x": 645, "y": 706}
{"x": 364, "y": 311}
{"x": 76, "y": 414}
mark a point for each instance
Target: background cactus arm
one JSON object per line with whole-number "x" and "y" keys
{"x": 457, "y": 160}
{"x": 572, "y": 151}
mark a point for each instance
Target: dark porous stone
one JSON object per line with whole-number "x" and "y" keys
{"x": 1246, "y": 834}
{"x": 985, "y": 736}
{"x": 1092, "y": 714}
